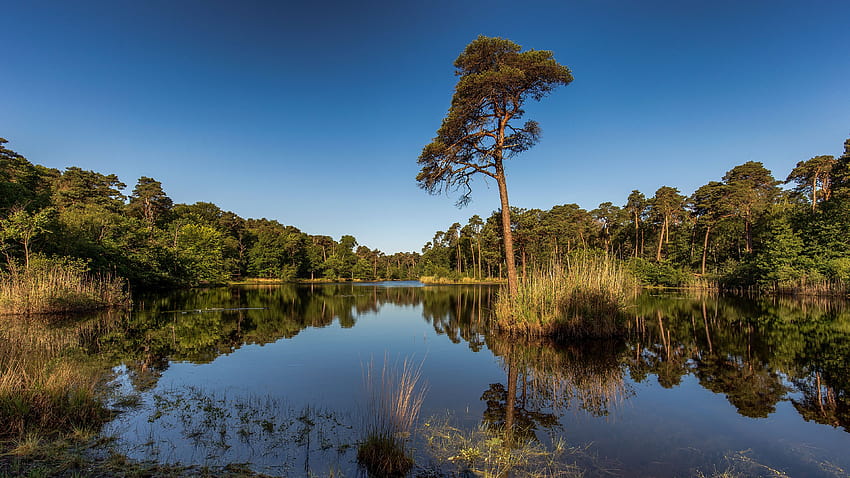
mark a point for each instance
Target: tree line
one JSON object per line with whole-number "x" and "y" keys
{"x": 85, "y": 218}
{"x": 746, "y": 228}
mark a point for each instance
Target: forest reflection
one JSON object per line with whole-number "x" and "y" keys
{"x": 754, "y": 351}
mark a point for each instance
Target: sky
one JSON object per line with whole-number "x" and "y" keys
{"x": 314, "y": 113}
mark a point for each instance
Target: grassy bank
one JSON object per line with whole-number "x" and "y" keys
{"x": 440, "y": 280}
{"x": 56, "y": 288}
{"x": 582, "y": 297}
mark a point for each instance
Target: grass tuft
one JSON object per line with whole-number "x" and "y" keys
{"x": 395, "y": 398}
{"x": 583, "y": 297}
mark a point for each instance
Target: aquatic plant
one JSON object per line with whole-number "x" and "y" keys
{"x": 395, "y": 397}
{"x": 582, "y": 297}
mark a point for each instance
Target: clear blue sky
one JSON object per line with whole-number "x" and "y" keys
{"x": 314, "y": 113}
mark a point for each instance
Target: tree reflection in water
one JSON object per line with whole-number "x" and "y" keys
{"x": 753, "y": 351}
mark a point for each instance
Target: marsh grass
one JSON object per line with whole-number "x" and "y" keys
{"x": 582, "y": 297}
{"x": 395, "y": 395}
{"x": 58, "y": 288}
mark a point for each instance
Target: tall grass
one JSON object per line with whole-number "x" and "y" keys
{"x": 41, "y": 390}
{"x": 395, "y": 397}
{"x": 581, "y": 297}
{"x": 58, "y": 288}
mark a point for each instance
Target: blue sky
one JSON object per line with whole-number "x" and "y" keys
{"x": 314, "y": 113}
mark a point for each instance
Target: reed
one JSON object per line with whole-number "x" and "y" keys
{"x": 395, "y": 398}
{"x": 582, "y": 297}
{"x": 57, "y": 289}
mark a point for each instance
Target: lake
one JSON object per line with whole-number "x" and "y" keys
{"x": 273, "y": 376}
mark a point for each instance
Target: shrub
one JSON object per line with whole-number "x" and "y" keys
{"x": 657, "y": 273}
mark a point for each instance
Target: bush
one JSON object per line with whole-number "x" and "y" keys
{"x": 660, "y": 274}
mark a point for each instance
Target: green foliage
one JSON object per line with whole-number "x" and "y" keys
{"x": 662, "y": 274}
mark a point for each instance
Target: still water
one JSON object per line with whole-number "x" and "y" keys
{"x": 273, "y": 376}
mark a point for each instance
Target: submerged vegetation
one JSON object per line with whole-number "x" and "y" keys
{"x": 583, "y": 297}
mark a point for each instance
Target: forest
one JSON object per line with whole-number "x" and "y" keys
{"x": 747, "y": 228}
{"x": 85, "y": 219}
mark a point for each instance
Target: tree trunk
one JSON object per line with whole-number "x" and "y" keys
{"x": 660, "y": 240}
{"x": 705, "y": 248}
{"x": 814, "y": 191}
{"x": 506, "y": 229}
{"x": 480, "y": 276}
{"x": 637, "y": 227}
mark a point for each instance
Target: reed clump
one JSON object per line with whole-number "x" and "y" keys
{"x": 395, "y": 397}
{"x": 57, "y": 287}
{"x": 581, "y": 297}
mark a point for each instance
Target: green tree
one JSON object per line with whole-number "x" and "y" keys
{"x": 22, "y": 227}
{"x": 22, "y": 183}
{"x": 481, "y": 130}
{"x": 200, "y": 251}
{"x": 665, "y": 206}
{"x": 813, "y": 175}
{"x": 148, "y": 201}
{"x": 636, "y": 205}
{"x": 78, "y": 188}
{"x": 751, "y": 189}
{"x": 710, "y": 205}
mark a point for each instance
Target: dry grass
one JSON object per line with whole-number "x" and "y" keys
{"x": 395, "y": 397}
{"x": 57, "y": 289}
{"x": 581, "y": 298}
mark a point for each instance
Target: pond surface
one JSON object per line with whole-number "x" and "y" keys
{"x": 273, "y": 376}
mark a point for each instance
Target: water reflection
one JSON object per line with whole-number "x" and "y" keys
{"x": 756, "y": 352}
{"x": 764, "y": 356}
